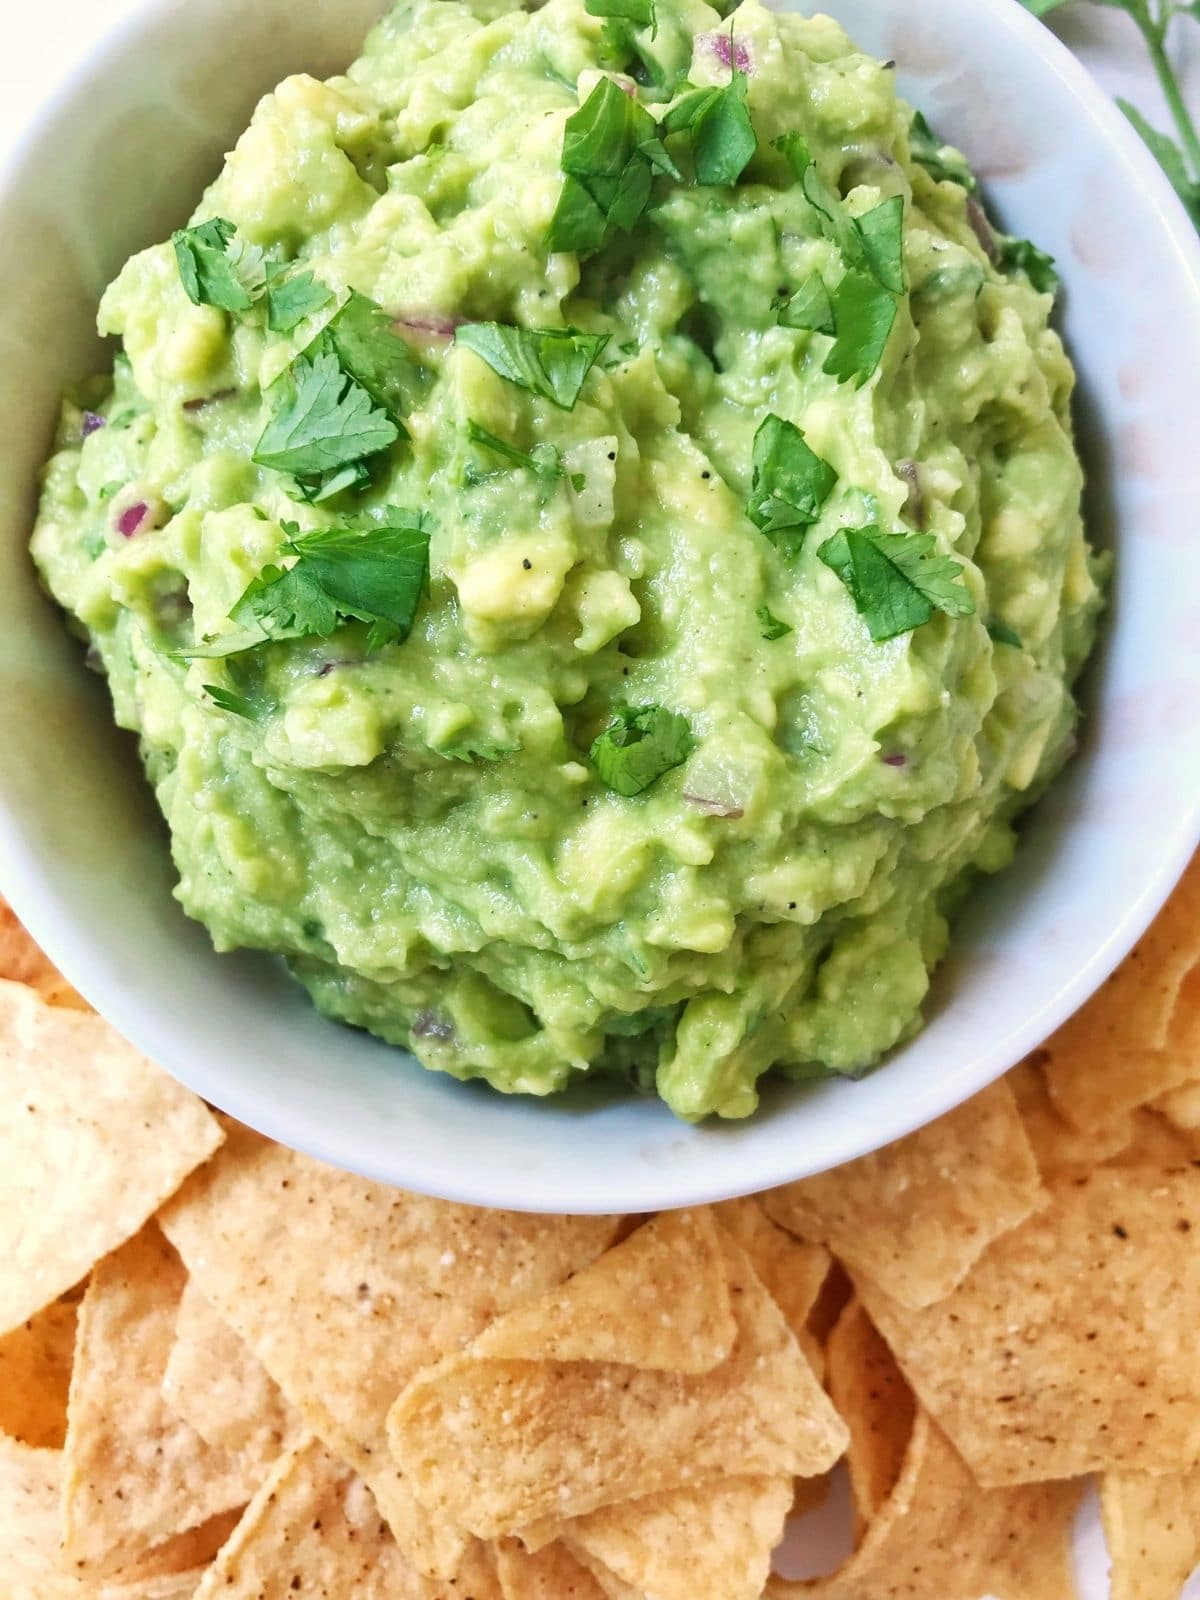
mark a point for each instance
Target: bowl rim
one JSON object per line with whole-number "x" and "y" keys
{"x": 49, "y": 918}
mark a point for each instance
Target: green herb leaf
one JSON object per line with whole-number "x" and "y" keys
{"x": 369, "y": 572}
{"x": 1019, "y": 255}
{"x": 292, "y": 296}
{"x": 769, "y": 625}
{"x": 236, "y": 704}
{"x": 864, "y": 313}
{"x": 872, "y": 243}
{"x": 543, "y": 461}
{"x": 882, "y": 233}
{"x": 325, "y": 421}
{"x": 478, "y": 749}
{"x": 1170, "y": 158}
{"x": 218, "y": 269}
{"x": 1042, "y": 8}
{"x": 640, "y": 745}
{"x": 551, "y": 362}
{"x": 790, "y": 484}
{"x": 810, "y": 307}
{"x": 895, "y": 580}
{"x": 611, "y": 150}
{"x": 1003, "y": 634}
{"x": 368, "y": 349}
{"x": 941, "y": 161}
{"x": 640, "y": 12}
{"x": 718, "y": 123}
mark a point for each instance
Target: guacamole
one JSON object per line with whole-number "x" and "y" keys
{"x": 586, "y": 529}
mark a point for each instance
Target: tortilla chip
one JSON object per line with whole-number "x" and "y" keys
{"x": 21, "y": 961}
{"x": 1155, "y": 1142}
{"x": 366, "y": 1285}
{"x": 495, "y": 1445}
{"x": 214, "y": 1382}
{"x": 792, "y": 1270}
{"x": 30, "y": 1527}
{"x": 713, "y": 1540}
{"x": 35, "y": 1374}
{"x": 551, "y": 1574}
{"x": 93, "y": 1139}
{"x": 135, "y": 1474}
{"x": 659, "y": 1302}
{"x": 836, "y": 1293}
{"x": 610, "y": 1586}
{"x": 1152, "y": 1528}
{"x": 1071, "y": 1346}
{"x": 876, "y": 1404}
{"x": 314, "y": 1529}
{"x": 1181, "y": 1106}
{"x": 1110, "y": 1056}
{"x": 1060, "y": 1148}
{"x": 939, "y": 1537}
{"x": 916, "y": 1215}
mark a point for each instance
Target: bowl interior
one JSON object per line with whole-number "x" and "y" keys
{"x": 120, "y": 158}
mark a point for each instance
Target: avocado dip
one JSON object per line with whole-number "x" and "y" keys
{"x": 586, "y": 528}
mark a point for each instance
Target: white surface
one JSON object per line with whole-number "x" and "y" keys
{"x": 69, "y": 832}
{"x": 118, "y": 157}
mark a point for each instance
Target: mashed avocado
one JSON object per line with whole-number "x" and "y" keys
{"x": 586, "y": 528}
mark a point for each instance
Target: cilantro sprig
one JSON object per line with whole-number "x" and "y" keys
{"x": 941, "y": 161}
{"x": 789, "y": 486}
{"x": 640, "y": 12}
{"x": 895, "y": 579}
{"x": 373, "y": 572}
{"x": 1178, "y": 157}
{"x": 551, "y": 362}
{"x": 612, "y": 149}
{"x": 860, "y": 311}
{"x": 543, "y": 460}
{"x": 217, "y": 268}
{"x": 639, "y": 746}
{"x": 717, "y": 122}
{"x": 324, "y": 424}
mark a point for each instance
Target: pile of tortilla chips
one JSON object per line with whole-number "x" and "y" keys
{"x": 227, "y": 1370}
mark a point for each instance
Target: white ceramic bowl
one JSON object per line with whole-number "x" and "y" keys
{"x": 119, "y": 156}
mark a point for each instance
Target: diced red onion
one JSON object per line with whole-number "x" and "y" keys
{"x": 201, "y": 401}
{"x": 914, "y": 505}
{"x": 982, "y": 228}
{"x": 133, "y": 519}
{"x": 432, "y": 1025}
{"x": 728, "y": 51}
{"x": 327, "y": 667}
{"x": 626, "y": 85}
{"x": 427, "y": 325}
{"x": 91, "y": 423}
{"x": 712, "y": 807}
{"x": 896, "y": 758}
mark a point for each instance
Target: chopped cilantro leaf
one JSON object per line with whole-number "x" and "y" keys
{"x": 292, "y": 296}
{"x": 718, "y": 124}
{"x": 578, "y": 482}
{"x": 640, "y": 12}
{"x": 639, "y": 745}
{"x": 790, "y": 484}
{"x": 325, "y": 421}
{"x": 361, "y": 338}
{"x": 1019, "y": 255}
{"x": 864, "y": 313}
{"x": 236, "y": 704}
{"x": 369, "y": 572}
{"x": 611, "y": 151}
{"x": 218, "y": 269}
{"x": 895, "y": 579}
{"x": 543, "y": 461}
{"x": 810, "y": 307}
{"x": 941, "y": 161}
{"x": 1001, "y": 633}
{"x": 551, "y": 362}
{"x": 769, "y": 625}
{"x": 882, "y": 233}
{"x": 478, "y": 749}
